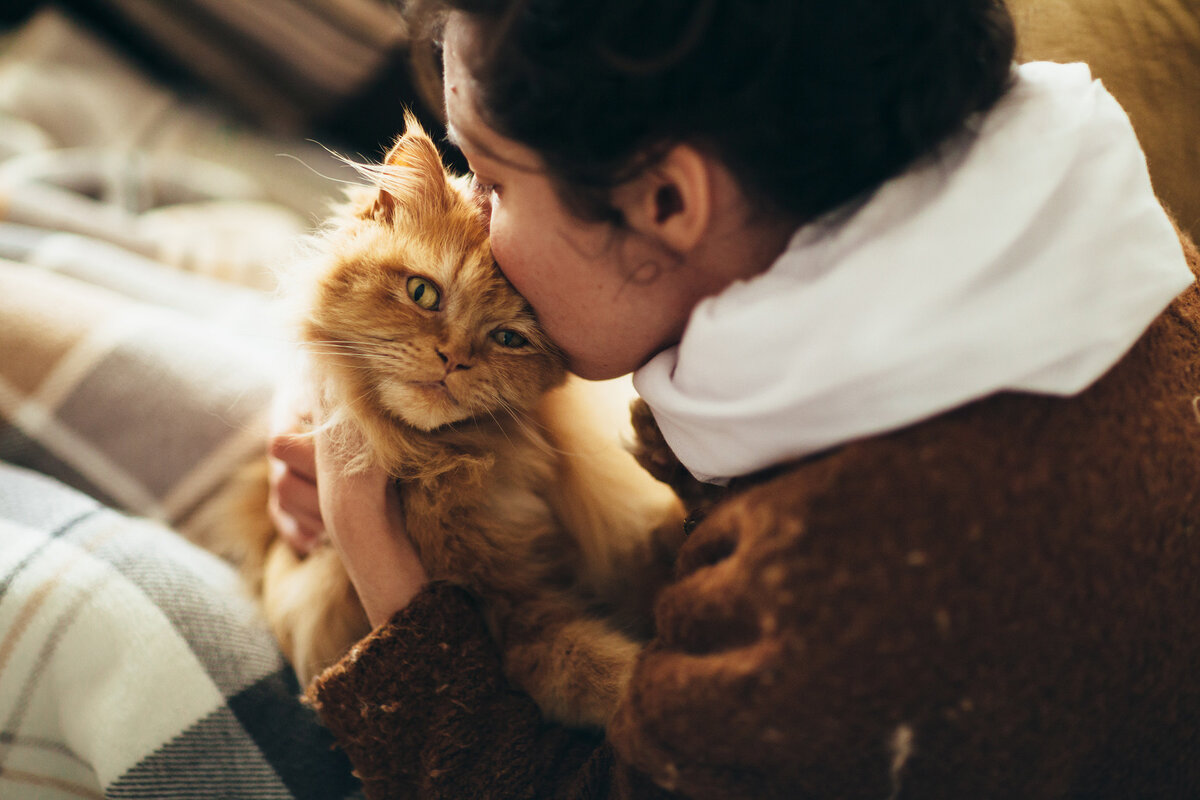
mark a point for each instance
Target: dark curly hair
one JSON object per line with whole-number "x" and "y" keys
{"x": 809, "y": 103}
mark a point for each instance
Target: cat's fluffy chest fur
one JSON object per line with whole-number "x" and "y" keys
{"x": 497, "y": 474}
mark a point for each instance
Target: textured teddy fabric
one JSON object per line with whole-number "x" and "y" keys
{"x": 998, "y": 602}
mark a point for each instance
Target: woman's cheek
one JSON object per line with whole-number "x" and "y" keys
{"x": 503, "y": 251}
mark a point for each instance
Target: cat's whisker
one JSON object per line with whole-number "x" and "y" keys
{"x": 520, "y": 415}
{"x": 534, "y": 430}
{"x": 350, "y": 349}
{"x": 529, "y": 428}
{"x": 354, "y": 343}
{"x": 387, "y": 357}
{"x": 345, "y": 358}
{"x": 527, "y": 415}
{"x": 347, "y": 342}
{"x": 354, "y": 353}
{"x": 314, "y": 170}
{"x": 357, "y": 367}
{"x": 369, "y": 348}
{"x": 501, "y": 427}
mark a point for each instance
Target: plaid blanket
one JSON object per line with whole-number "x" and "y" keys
{"x": 131, "y": 663}
{"x": 145, "y": 406}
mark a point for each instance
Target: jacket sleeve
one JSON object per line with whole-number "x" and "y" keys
{"x": 422, "y": 708}
{"x": 747, "y": 691}
{"x": 781, "y": 657}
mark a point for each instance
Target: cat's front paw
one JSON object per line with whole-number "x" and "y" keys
{"x": 651, "y": 450}
{"x": 576, "y": 670}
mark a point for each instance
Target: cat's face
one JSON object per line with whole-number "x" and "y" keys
{"x": 412, "y": 309}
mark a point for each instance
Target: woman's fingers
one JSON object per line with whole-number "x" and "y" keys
{"x": 297, "y": 450}
{"x": 295, "y": 508}
{"x": 293, "y": 502}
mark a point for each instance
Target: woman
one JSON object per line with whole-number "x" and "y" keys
{"x": 924, "y": 344}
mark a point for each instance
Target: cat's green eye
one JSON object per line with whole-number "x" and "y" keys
{"x": 423, "y": 293}
{"x": 508, "y": 338}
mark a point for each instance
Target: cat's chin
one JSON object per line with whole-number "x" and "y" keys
{"x": 425, "y": 406}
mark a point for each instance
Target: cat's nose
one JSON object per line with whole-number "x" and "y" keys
{"x": 452, "y": 361}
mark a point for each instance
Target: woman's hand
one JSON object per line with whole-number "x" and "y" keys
{"x": 365, "y": 522}
{"x": 313, "y": 499}
{"x": 292, "y": 500}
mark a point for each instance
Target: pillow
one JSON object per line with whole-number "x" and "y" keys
{"x": 1147, "y": 53}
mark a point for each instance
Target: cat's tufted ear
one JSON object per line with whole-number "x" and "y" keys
{"x": 411, "y": 177}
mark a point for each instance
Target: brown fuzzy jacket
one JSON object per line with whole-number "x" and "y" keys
{"x": 1002, "y": 601}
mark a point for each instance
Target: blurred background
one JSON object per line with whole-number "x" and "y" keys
{"x": 193, "y": 133}
{"x": 161, "y": 163}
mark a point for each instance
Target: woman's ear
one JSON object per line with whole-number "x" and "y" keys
{"x": 672, "y": 201}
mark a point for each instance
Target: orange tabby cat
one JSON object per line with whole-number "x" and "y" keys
{"x": 440, "y": 370}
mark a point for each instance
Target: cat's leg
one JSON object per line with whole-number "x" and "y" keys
{"x": 311, "y": 607}
{"x": 309, "y": 602}
{"x": 576, "y": 668}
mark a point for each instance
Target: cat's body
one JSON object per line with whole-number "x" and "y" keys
{"x": 438, "y": 370}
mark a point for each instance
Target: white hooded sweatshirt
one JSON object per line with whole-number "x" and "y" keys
{"x": 1029, "y": 255}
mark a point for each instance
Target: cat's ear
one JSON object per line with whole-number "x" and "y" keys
{"x": 411, "y": 177}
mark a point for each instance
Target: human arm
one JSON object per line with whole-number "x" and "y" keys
{"x": 315, "y": 498}
{"x": 310, "y": 484}
{"x": 365, "y": 523}
{"x": 422, "y": 706}
{"x": 717, "y": 707}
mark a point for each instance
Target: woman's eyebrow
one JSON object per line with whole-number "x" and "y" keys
{"x": 458, "y": 139}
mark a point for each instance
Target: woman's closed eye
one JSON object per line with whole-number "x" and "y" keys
{"x": 483, "y": 188}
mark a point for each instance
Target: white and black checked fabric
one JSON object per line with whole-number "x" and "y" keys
{"x": 133, "y": 666}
